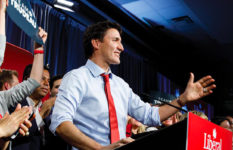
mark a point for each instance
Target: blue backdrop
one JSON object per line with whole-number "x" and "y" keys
{"x": 64, "y": 49}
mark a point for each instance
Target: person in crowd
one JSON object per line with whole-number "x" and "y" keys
{"x": 8, "y": 79}
{"x": 35, "y": 139}
{"x": 225, "y": 122}
{"x": 52, "y": 141}
{"x": 178, "y": 115}
{"x": 55, "y": 84}
{"x": 35, "y": 99}
{"x": 230, "y": 120}
{"x": 198, "y": 113}
{"x": 10, "y": 98}
{"x": 229, "y": 127}
{"x": 92, "y": 105}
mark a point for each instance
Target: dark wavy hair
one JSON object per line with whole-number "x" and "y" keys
{"x": 97, "y": 31}
{"x": 27, "y": 71}
{"x": 55, "y": 78}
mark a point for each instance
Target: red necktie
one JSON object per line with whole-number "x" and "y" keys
{"x": 115, "y": 136}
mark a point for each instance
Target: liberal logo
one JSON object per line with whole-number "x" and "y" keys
{"x": 210, "y": 142}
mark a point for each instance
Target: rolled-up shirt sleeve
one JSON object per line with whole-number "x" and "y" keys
{"x": 69, "y": 98}
{"x": 142, "y": 111}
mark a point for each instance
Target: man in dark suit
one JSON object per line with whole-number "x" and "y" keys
{"x": 34, "y": 140}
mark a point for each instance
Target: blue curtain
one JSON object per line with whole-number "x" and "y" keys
{"x": 64, "y": 48}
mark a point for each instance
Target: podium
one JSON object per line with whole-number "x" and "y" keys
{"x": 193, "y": 133}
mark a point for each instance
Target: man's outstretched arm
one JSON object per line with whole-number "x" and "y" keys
{"x": 194, "y": 91}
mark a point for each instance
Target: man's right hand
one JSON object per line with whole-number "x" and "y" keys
{"x": 118, "y": 144}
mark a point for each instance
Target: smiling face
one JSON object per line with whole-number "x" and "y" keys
{"x": 43, "y": 90}
{"x": 109, "y": 49}
{"x": 111, "y": 46}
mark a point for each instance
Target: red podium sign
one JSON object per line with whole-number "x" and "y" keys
{"x": 192, "y": 133}
{"x": 205, "y": 135}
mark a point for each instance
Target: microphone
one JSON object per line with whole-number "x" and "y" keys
{"x": 149, "y": 96}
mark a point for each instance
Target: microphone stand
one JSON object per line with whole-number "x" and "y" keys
{"x": 149, "y": 96}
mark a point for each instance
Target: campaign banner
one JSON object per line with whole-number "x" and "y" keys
{"x": 22, "y": 15}
{"x": 205, "y": 135}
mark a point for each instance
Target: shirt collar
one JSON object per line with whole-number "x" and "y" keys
{"x": 31, "y": 103}
{"x": 96, "y": 70}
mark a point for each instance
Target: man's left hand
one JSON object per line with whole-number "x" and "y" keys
{"x": 198, "y": 89}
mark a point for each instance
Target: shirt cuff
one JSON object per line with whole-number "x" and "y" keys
{"x": 156, "y": 114}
